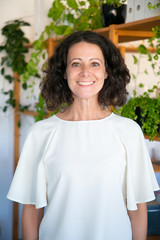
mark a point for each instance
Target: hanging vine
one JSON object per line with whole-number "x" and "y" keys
{"x": 14, "y": 49}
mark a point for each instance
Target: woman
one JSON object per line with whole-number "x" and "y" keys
{"x": 89, "y": 167}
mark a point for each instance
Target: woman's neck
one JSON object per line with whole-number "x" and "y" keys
{"x": 84, "y": 109}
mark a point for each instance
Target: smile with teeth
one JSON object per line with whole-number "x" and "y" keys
{"x": 85, "y": 83}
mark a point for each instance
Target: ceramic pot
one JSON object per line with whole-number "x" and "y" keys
{"x": 113, "y": 15}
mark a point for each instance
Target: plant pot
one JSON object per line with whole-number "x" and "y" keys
{"x": 139, "y": 119}
{"x": 113, "y": 15}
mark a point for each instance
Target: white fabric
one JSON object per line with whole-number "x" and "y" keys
{"x": 84, "y": 172}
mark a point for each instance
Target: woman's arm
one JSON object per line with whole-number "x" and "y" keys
{"x": 31, "y": 219}
{"x": 138, "y": 220}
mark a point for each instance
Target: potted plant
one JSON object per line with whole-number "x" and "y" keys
{"x": 145, "y": 111}
{"x": 113, "y": 12}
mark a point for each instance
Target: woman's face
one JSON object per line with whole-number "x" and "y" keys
{"x": 85, "y": 70}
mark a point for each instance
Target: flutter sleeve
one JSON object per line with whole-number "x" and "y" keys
{"x": 140, "y": 177}
{"x": 29, "y": 184}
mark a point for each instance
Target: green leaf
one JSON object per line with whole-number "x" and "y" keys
{"x": 135, "y": 59}
{"x": 2, "y": 71}
{"x": 2, "y": 48}
{"x": 4, "y": 59}
{"x": 68, "y": 30}
{"x": 23, "y": 108}
{"x": 48, "y": 29}
{"x": 133, "y": 76}
{"x": 43, "y": 55}
{"x": 145, "y": 71}
{"x": 70, "y": 18}
{"x": 82, "y": 3}
{"x": 141, "y": 85}
{"x": 12, "y": 102}
{"x": 72, "y": 4}
{"x": 24, "y": 86}
{"x": 156, "y": 57}
{"x": 59, "y": 30}
{"x": 150, "y": 90}
{"x": 134, "y": 93}
{"x": 155, "y": 87}
{"x": 153, "y": 65}
{"x": 5, "y": 108}
{"x": 19, "y": 123}
{"x": 142, "y": 49}
{"x": 9, "y": 78}
{"x": 56, "y": 10}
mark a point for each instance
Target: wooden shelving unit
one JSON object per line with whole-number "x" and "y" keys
{"x": 133, "y": 31}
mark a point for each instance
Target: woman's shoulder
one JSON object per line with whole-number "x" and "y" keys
{"x": 124, "y": 121}
{"x": 126, "y": 126}
{"x": 44, "y": 125}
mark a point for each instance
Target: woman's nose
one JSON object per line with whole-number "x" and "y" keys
{"x": 85, "y": 71}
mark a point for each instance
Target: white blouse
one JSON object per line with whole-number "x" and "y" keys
{"x": 87, "y": 174}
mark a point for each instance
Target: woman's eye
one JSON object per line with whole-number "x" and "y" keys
{"x": 95, "y": 64}
{"x": 75, "y": 64}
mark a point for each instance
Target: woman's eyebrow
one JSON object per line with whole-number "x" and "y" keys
{"x": 91, "y": 59}
{"x": 73, "y": 59}
{"x": 95, "y": 59}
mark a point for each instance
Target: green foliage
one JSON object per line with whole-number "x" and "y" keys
{"x": 151, "y": 6}
{"x": 149, "y": 113}
{"x": 14, "y": 58}
{"x": 142, "y": 49}
{"x": 67, "y": 17}
{"x": 115, "y": 3}
{"x": 23, "y": 108}
{"x": 40, "y": 109}
{"x": 153, "y": 58}
{"x": 14, "y": 46}
{"x": 11, "y": 101}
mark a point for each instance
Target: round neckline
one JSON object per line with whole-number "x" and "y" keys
{"x": 84, "y": 121}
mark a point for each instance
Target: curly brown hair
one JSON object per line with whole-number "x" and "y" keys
{"x": 54, "y": 87}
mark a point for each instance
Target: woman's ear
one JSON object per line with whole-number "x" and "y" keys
{"x": 65, "y": 75}
{"x": 105, "y": 75}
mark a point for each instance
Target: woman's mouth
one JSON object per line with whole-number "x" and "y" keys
{"x": 85, "y": 83}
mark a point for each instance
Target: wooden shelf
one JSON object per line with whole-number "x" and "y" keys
{"x": 133, "y": 31}
{"x": 155, "y": 138}
{"x": 156, "y": 165}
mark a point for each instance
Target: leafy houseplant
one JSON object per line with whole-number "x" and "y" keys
{"x": 113, "y": 12}
{"x": 145, "y": 111}
{"x": 14, "y": 58}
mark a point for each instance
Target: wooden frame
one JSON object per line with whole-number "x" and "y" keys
{"x": 137, "y": 30}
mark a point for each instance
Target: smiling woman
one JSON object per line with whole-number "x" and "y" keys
{"x": 85, "y": 71}
{"x": 81, "y": 164}
{"x": 55, "y": 89}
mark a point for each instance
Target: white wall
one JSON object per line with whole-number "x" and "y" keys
{"x": 9, "y": 10}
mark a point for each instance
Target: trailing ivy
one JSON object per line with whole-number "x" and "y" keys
{"x": 14, "y": 58}
{"x": 153, "y": 58}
